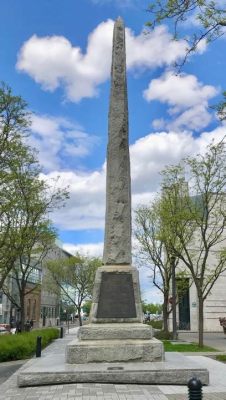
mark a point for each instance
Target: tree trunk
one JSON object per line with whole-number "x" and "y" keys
{"x": 200, "y": 321}
{"x": 165, "y": 313}
{"x": 22, "y": 308}
{"x": 22, "y": 316}
{"x": 174, "y": 290}
{"x": 79, "y": 316}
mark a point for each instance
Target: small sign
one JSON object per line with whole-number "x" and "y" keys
{"x": 194, "y": 304}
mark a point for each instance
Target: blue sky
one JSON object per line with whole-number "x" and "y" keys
{"x": 57, "y": 56}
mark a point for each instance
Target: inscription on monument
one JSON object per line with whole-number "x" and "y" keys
{"x": 116, "y": 296}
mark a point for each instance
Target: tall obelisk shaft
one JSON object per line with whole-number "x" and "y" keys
{"x": 117, "y": 243}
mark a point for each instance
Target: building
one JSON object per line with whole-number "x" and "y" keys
{"x": 40, "y": 306}
{"x": 214, "y": 307}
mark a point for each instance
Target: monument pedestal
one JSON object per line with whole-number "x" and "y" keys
{"x": 116, "y": 332}
{"x": 114, "y": 343}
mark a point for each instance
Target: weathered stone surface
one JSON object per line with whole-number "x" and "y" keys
{"x": 124, "y": 350}
{"x": 125, "y": 315}
{"x": 117, "y": 243}
{"x": 176, "y": 370}
{"x": 114, "y": 331}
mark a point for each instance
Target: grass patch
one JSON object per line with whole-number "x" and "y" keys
{"x": 186, "y": 347}
{"x": 221, "y": 357}
{"x": 23, "y": 345}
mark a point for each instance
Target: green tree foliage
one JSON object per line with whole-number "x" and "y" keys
{"x": 87, "y": 307}
{"x": 156, "y": 242}
{"x": 152, "y": 308}
{"x": 151, "y": 251}
{"x": 74, "y": 278}
{"x": 210, "y": 16}
{"x": 199, "y": 220}
{"x": 26, "y": 200}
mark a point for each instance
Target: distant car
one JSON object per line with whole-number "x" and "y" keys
{"x": 3, "y": 331}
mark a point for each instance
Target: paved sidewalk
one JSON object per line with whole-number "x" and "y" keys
{"x": 215, "y": 391}
{"x": 217, "y": 340}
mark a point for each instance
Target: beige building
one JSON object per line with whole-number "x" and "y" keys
{"x": 40, "y": 306}
{"x": 214, "y": 307}
{"x": 215, "y": 303}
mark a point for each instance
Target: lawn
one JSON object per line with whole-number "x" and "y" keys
{"x": 186, "y": 347}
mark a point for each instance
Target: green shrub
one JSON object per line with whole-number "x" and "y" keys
{"x": 162, "y": 335}
{"x": 23, "y": 345}
{"x": 155, "y": 324}
{"x": 221, "y": 357}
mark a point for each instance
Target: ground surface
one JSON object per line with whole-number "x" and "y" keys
{"x": 215, "y": 391}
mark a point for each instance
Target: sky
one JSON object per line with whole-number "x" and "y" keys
{"x": 57, "y": 55}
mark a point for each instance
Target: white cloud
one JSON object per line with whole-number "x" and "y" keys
{"x": 88, "y": 249}
{"x": 86, "y": 207}
{"x": 194, "y": 119}
{"x": 154, "y": 49}
{"x": 58, "y": 139}
{"x": 54, "y": 62}
{"x": 187, "y": 99}
{"x": 180, "y": 91}
{"x": 149, "y": 155}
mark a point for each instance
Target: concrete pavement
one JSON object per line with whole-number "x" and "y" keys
{"x": 217, "y": 340}
{"x": 215, "y": 391}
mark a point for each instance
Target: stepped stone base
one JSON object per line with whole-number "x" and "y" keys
{"x": 93, "y": 351}
{"x": 115, "y": 331}
{"x": 52, "y": 370}
{"x": 114, "y": 343}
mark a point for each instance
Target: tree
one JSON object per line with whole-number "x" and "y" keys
{"x": 25, "y": 275}
{"x": 26, "y": 199}
{"x": 155, "y": 239}
{"x": 14, "y": 123}
{"x": 151, "y": 252}
{"x": 74, "y": 278}
{"x": 211, "y": 18}
{"x": 210, "y": 15}
{"x": 202, "y": 245}
{"x": 87, "y": 307}
{"x": 151, "y": 308}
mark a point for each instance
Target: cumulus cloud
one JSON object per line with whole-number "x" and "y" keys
{"x": 149, "y": 155}
{"x": 54, "y": 62}
{"x": 86, "y": 207}
{"x": 87, "y": 249}
{"x": 153, "y": 50}
{"x": 59, "y": 140}
{"x": 186, "y": 97}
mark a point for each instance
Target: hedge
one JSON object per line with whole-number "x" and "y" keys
{"x": 23, "y": 345}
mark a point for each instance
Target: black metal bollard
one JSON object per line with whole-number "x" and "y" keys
{"x": 39, "y": 346}
{"x": 195, "y": 389}
{"x": 61, "y": 332}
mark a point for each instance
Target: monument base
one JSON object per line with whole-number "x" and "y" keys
{"x": 52, "y": 370}
{"x": 123, "y": 342}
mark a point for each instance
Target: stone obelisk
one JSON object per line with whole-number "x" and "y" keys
{"x": 117, "y": 244}
{"x": 115, "y": 332}
{"x": 115, "y": 346}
